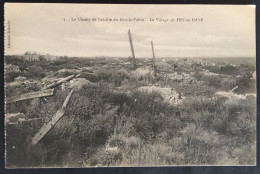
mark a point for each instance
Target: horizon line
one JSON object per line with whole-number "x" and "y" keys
{"x": 47, "y": 54}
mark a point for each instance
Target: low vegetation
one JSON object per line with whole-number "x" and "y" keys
{"x": 109, "y": 122}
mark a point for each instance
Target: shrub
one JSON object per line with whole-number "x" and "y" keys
{"x": 14, "y": 60}
{"x": 34, "y": 74}
{"x": 228, "y": 83}
{"x": 91, "y": 77}
{"x": 212, "y": 80}
{"x": 226, "y": 69}
{"x": 198, "y": 104}
{"x": 112, "y": 76}
{"x": 246, "y": 84}
{"x": 63, "y": 74}
{"x": 9, "y": 77}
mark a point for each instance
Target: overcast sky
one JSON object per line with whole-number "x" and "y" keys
{"x": 225, "y": 31}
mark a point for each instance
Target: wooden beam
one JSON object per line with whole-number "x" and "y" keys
{"x": 32, "y": 119}
{"x": 153, "y": 55}
{"x": 31, "y": 95}
{"x": 132, "y": 48}
{"x": 53, "y": 85}
{"x": 47, "y": 127}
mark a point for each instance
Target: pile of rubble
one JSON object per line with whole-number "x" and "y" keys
{"x": 168, "y": 94}
{"x": 183, "y": 77}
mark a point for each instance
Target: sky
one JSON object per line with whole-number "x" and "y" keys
{"x": 226, "y": 31}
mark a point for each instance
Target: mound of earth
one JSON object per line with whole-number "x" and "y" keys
{"x": 168, "y": 95}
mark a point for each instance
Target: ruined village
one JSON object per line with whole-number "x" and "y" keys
{"x": 117, "y": 111}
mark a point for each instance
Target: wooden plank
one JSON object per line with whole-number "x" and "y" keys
{"x": 153, "y": 55}
{"x": 132, "y": 48}
{"x": 53, "y": 85}
{"x": 47, "y": 127}
{"x": 31, "y": 95}
{"x": 31, "y": 119}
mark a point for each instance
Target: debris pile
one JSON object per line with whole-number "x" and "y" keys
{"x": 169, "y": 95}
{"x": 183, "y": 77}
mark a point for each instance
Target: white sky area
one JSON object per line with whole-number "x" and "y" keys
{"x": 226, "y": 31}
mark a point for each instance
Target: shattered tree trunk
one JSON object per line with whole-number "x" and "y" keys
{"x": 132, "y": 48}
{"x": 55, "y": 84}
{"x": 153, "y": 55}
{"x": 47, "y": 127}
{"x": 31, "y": 95}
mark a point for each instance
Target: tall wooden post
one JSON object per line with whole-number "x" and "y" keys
{"x": 132, "y": 47}
{"x": 153, "y": 55}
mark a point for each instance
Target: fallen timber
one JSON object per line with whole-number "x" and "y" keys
{"x": 31, "y": 95}
{"x": 55, "y": 84}
{"x": 45, "y": 92}
{"x": 47, "y": 127}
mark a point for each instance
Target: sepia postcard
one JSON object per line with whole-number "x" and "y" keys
{"x": 113, "y": 85}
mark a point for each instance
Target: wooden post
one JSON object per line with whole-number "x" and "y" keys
{"x": 47, "y": 127}
{"x": 153, "y": 55}
{"x": 132, "y": 48}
